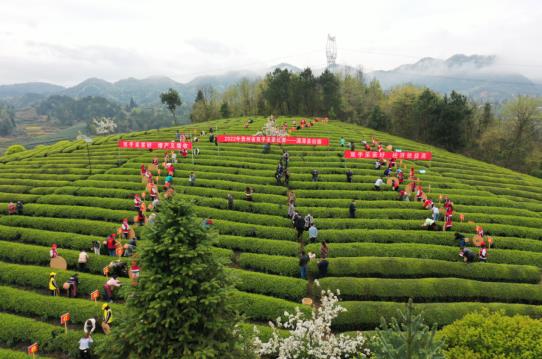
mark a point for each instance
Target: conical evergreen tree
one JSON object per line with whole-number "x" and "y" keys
{"x": 181, "y": 307}
{"x": 407, "y": 337}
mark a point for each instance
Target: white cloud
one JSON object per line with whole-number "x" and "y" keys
{"x": 66, "y": 41}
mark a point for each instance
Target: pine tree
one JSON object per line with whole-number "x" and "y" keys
{"x": 225, "y": 110}
{"x": 407, "y": 337}
{"x": 181, "y": 307}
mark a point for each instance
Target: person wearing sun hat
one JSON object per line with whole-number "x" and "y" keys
{"x": 53, "y": 286}
{"x": 107, "y": 316}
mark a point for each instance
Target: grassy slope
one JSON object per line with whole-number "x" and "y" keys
{"x": 378, "y": 259}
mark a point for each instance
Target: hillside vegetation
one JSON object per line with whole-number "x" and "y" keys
{"x": 378, "y": 260}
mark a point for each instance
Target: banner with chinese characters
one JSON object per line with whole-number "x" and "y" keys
{"x": 279, "y": 140}
{"x": 417, "y": 156}
{"x": 149, "y": 145}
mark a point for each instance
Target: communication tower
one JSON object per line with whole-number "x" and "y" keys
{"x": 331, "y": 51}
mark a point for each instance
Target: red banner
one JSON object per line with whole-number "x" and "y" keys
{"x": 416, "y": 156}
{"x": 148, "y": 145}
{"x": 279, "y": 140}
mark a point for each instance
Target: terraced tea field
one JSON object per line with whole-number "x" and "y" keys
{"x": 378, "y": 259}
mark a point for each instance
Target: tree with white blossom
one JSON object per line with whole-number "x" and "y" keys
{"x": 312, "y": 337}
{"x": 104, "y": 125}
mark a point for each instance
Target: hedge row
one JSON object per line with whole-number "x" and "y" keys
{"x": 137, "y": 187}
{"x": 61, "y": 211}
{"x": 384, "y": 219}
{"x": 38, "y": 255}
{"x": 95, "y": 192}
{"x": 32, "y": 304}
{"x": 19, "y": 331}
{"x": 239, "y": 195}
{"x": 80, "y": 226}
{"x": 262, "y": 308}
{"x": 365, "y": 235}
{"x": 394, "y": 267}
{"x": 326, "y": 207}
{"x": 424, "y": 251}
{"x": 258, "y": 245}
{"x": 35, "y": 277}
{"x": 367, "y": 315}
{"x": 111, "y": 203}
{"x": 299, "y": 181}
{"x": 12, "y": 354}
{"x": 46, "y": 238}
{"x": 432, "y": 290}
{"x": 26, "y": 198}
{"x": 25, "y": 176}
{"x": 273, "y": 285}
{"x": 54, "y": 168}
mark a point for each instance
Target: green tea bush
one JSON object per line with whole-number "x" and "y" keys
{"x": 388, "y": 267}
{"x": 486, "y": 335}
{"x": 432, "y": 290}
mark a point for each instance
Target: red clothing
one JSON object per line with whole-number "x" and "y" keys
{"x": 111, "y": 243}
{"x": 428, "y": 204}
{"x": 125, "y": 227}
{"x": 379, "y": 148}
{"x": 367, "y": 147}
{"x": 392, "y": 163}
{"x": 448, "y": 223}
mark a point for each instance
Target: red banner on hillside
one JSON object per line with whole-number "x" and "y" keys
{"x": 416, "y": 156}
{"x": 279, "y": 140}
{"x": 148, "y": 145}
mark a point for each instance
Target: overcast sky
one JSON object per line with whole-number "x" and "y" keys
{"x": 67, "y": 41}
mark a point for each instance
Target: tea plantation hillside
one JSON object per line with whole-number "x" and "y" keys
{"x": 378, "y": 259}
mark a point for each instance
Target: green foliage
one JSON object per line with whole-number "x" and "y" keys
{"x": 432, "y": 289}
{"x": 7, "y": 120}
{"x": 36, "y": 305}
{"x": 486, "y": 335}
{"x": 225, "y": 110}
{"x": 172, "y": 100}
{"x": 14, "y": 149}
{"x": 66, "y": 110}
{"x": 19, "y": 331}
{"x": 35, "y": 277}
{"x": 182, "y": 303}
{"x": 394, "y": 268}
{"x": 407, "y": 337}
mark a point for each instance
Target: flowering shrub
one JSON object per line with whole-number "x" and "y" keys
{"x": 312, "y": 337}
{"x": 104, "y": 125}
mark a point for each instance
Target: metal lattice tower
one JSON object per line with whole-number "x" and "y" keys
{"x": 331, "y": 51}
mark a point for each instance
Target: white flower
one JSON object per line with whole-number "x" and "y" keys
{"x": 312, "y": 337}
{"x": 104, "y": 125}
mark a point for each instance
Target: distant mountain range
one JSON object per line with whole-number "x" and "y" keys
{"x": 475, "y": 76}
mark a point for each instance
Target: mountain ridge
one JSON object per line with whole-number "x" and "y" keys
{"x": 472, "y": 75}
